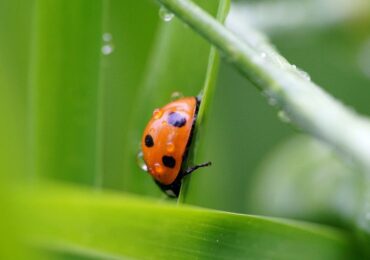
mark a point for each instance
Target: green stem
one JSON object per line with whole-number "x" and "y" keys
{"x": 305, "y": 104}
{"x": 206, "y": 94}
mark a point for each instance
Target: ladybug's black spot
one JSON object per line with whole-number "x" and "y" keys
{"x": 149, "y": 141}
{"x": 169, "y": 161}
{"x": 176, "y": 119}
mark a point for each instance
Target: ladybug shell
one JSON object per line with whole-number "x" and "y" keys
{"x": 166, "y": 137}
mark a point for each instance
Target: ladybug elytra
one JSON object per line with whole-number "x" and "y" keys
{"x": 166, "y": 141}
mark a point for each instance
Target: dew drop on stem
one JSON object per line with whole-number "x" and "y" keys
{"x": 283, "y": 116}
{"x": 270, "y": 97}
{"x": 303, "y": 74}
{"x": 165, "y": 15}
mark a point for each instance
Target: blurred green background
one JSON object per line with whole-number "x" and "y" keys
{"x": 79, "y": 80}
{"x": 55, "y": 84}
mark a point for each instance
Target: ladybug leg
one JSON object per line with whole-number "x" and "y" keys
{"x": 191, "y": 169}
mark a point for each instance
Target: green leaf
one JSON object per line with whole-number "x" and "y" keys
{"x": 15, "y": 20}
{"x": 129, "y": 29}
{"x": 15, "y": 24}
{"x": 64, "y": 89}
{"x": 106, "y": 225}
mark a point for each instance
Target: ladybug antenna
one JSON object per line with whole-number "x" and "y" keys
{"x": 191, "y": 169}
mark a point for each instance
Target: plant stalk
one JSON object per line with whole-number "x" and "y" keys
{"x": 206, "y": 96}
{"x": 304, "y": 103}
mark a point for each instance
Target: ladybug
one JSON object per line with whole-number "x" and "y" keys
{"x": 166, "y": 141}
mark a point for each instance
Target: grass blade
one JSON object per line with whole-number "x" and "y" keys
{"x": 64, "y": 89}
{"x": 129, "y": 30}
{"x": 88, "y": 223}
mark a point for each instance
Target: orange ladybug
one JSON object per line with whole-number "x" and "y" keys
{"x": 166, "y": 141}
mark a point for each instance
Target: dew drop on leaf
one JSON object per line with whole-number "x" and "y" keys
{"x": 107, "y": 37}
{"x": 107, "y": 49}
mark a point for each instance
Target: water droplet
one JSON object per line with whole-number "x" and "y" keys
{"x": 270, "y": 97}
{"x": 158, "y": 168}
{"x": 176, "y": 95}
{"x": 140, "y": 161}
{"x": 165, "y": 14}
{"x": 363, "y": 59}
{"x": 279, "y": 60}
{"x": 272, "y": 101}
{"x": 303, "y": 74}
{"x": 283, "y": 116}
{"x": 263, "y": 55}
{"x": 157, "y": 113}
{"x": 107, "y": 37}
{"x": 171, "y": 193}
{"x": 107, "y": 49}
{"x": 170, "y": 147}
